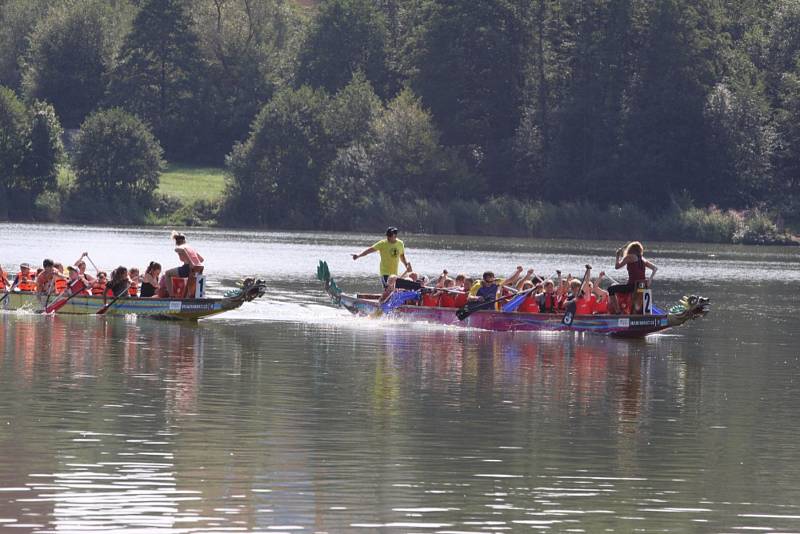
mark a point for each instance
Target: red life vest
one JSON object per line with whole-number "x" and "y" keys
{"x": 460, "y": 300}
{"x": 430, "y": 300}
{"x": 584, "y": 305}
{"x": 60, "y": 285}
{"x": 600, "y": 306}
{"x": 133, "y": 289}
{"x": 550, "y": 303}
{"x": 447, "y": 300}
{"x": 529, "y": 305}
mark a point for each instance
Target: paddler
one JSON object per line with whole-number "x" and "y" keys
{"x": 3, "y": 280}
{"x": 392, "y": 252}
{"x": 45, "y": 281}
{"x": 192, "y": 266}
{"x": 26, "y": 279}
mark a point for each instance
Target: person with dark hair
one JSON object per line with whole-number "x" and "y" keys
{"x": 45, "y": 280}
{"x": 150, "y": 280}
{"x": 192, "y": 266}
{"x": 119, "y": 282}
{"x": 632, "y": 257}
{"x": 392, "y": 251}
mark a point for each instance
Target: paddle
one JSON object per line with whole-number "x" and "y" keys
{"x": 9, "y": 290}
{"x": 105, "y": 308}
{"x": 397, "y": 299}
{"x": 96, "y": 270}
{"x": 572, "y": 304}
{"x": 75, "y": 289}
{"x": 515, "y": 303}
{"x": 465, "y": 311}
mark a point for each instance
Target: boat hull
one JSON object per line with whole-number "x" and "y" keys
{"x": 617, "y": 325}
{"x": 159, "y": 308}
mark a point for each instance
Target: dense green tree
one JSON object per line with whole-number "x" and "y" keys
{"x": 117, "y": 161}
{"x": 469, "y": 74}
{"x": 248, "y": 47}
{"x": 12, "y": 144}
{"x": 159, "y": 76}
{"x": 43, "y": 155}
{"x": 17, "y": 20}
{"x": 351, "y": 112}
{"x": 71, "y": 54}
{"x": 345, "y": 36}
{"x": 275, "y": 174}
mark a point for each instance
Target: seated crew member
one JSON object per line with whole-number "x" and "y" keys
{"x": 547, "y": 299}
{"x": 73, "y": 276}
{"x": 462, "y": 284}
{"x": 4, "y": 284}
{"x": 26, "y": 279}
{"x": 601, "y": 296}
{"x": 486, "y": 292}
{"x": 529, "y": 305}
{"x": 192, "y": 266}
{"x": 447, "y": 298}
{"x": 60, "y": 282}
{"x": 119, "y": 283}
{"x": 81, "y": 265}
{"x": 99, "y": 283}
{"x": 45, "y": 280}
{"x": 391, "y": 282}
{"x": 150, "y": 281}
{"x": 133, "y": 277}
{"x": 632, "y": 257}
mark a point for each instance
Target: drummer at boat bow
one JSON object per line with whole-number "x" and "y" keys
{"x": 392, "y": 252}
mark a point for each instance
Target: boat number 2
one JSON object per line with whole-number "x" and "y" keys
{"x": 647, "y": 301}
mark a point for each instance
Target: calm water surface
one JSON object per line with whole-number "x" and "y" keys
{"x": 291, "y": 416}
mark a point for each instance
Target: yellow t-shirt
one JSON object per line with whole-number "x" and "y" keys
{"x": 390, "y": 255}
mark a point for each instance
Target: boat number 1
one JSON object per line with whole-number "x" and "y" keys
{"x": 200, "y": 289}
{"x": 647, "y": 301}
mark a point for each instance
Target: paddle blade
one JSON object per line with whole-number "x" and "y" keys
{"x": 515, "y": 303}
{"x": 76, "y": 287}
{"x": 399, "y": 298}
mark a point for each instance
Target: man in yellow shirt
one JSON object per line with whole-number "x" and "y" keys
{"x": 392, "y": 252}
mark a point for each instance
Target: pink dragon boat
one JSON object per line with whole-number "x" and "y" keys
{"x": 635, "y": 326}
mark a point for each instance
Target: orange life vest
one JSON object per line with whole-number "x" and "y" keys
{"x": 26, "y": 282}
{"x": 60, "y": 285}
{"x": 98, "y": 288}
{"x": 2, "y": 282}
{"x": 133, "y": 289}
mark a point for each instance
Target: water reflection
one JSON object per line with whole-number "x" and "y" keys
{"x": 362, "y": 425}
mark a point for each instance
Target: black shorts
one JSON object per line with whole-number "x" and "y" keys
{"x": 621, "y": 288}
{"x": 184, "y": 270}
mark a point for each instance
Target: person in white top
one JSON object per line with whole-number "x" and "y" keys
{"x": 192, "y": 266}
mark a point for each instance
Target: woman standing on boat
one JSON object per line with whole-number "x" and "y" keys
{"x": 632, "y": 257}
{"x": 192, "y": 265}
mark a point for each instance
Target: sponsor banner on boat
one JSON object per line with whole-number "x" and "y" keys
{"x": 188, "y": 307}
{"x": 644, "y": 322}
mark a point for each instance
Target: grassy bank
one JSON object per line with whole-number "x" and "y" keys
{"x": 193, "y": 196}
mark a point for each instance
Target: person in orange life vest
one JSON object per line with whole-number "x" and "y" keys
{"x": 192, "y": 264}
{"x": 447, "y": 299}
{"x": 133, "y": 275}
{"x": 26, "y": 279}
{"x": 4, "y": 284}
{"x": 99, "y": 284}
{"x": 118, "y": 285}
{"x": 81, "y": 265}
{"x": 60, "y": 282}
{"x": 73, "y": 276}
{"x": 632, "y": 257}
{"x": 45, "y": 281}
{"x": 601, "y": 296}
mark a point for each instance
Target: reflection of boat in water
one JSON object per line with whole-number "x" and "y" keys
{"x": 161, "y": 308}
{"x": 617, "y": 325}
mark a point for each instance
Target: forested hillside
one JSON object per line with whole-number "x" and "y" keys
{"x": 489, "y": 116}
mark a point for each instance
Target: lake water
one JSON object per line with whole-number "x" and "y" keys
{"x": 291, "y": 416}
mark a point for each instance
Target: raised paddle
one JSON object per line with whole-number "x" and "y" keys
{"x": 465, "y": 311}
{"x": 75, "y": 289}
{"x": 105, "y": 308}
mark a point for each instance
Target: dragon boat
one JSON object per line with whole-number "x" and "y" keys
{"x": 634, "y": 326}
{"x": 160, "y": 308}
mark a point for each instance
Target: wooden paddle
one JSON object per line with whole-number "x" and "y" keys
{"x": 105, "y": 308}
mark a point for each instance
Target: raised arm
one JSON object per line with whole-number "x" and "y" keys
{"x": 621, "y": 260}
{"x": 511, "y": 280}
{"x": 597, "y": 290}
{"x": 586, "y": 277}
{"x": 368, "y": 250}
{"x": 83, "y": 255}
